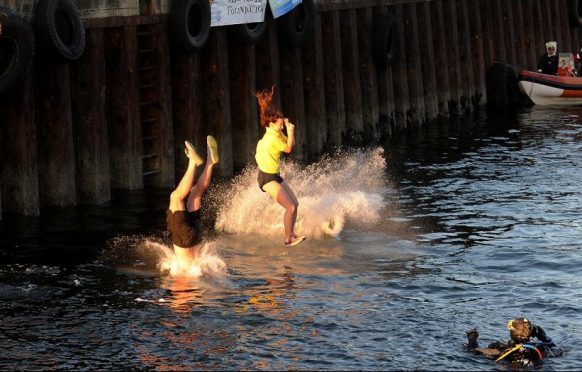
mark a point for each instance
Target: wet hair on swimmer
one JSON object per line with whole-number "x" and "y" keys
{"x": 520, "y": 329}
{"x": 268, "y": 112}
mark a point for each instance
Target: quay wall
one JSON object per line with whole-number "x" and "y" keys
{"x": 117, "y": 118}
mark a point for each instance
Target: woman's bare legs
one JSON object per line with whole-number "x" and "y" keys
{"x": 279, "y": 193}
{"x": 185, "y": 255}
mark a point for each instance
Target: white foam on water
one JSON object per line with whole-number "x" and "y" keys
{"x": 206, "y": 263}
{"x": 149, "y": 256}
{"x": 338, "y": 189}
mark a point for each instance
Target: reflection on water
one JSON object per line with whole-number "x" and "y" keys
{"x": 470, "y": 224}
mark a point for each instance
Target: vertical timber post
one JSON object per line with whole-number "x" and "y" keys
{"x": 90, "y": 123}
{"x": 56, "y": 153}
{"x": 333, "y": 78}
{"x": 20, "y": 178}
{"x": 415, "y": 114}
{"x": 351, "y": 75}
{"x": 216, "y": 88}
{"x": 369, "y": 79}
{"x": 478, "y": 58}
{"x": 453, "y": 60}
{"x": 124, "y": 113}
{"x": 243, "y": 104}
{"x": 399, "y": 73}
{"x": 187, "y": 107}
{"x": 314, "y": 93}
{"x": 440, "y": 57}
{"x": 425, "y": 38}
{"x": 465, "y": 57}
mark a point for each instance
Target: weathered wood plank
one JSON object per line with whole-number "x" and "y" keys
{"x": 368, "y": 77}
{"x": 426, "y": 44}
{"x": 292, "y": 101}
{"x": 415, "y": 115}
{"x": 465, "y": 57}
{"x": 216, "y": 98}
{"x": 314, "y": 92}
{"x": 351, "y": 75}
{"x": 453, "y": 59}
{"x": 125, "y": 148}
{"x": 90, "y": 122}
{"x": 477, "y": 55}
{"x": 56, "y": 153}
{"x": 243, "y": 105}
{"x": 20, "y": 178}
{"x": 440, "y": 58}
{"x": 399, "y": 73}
{"x": 333, "y": 79}
{"x": 187, "y": 107}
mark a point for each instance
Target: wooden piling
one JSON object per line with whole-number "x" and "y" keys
{"x": 440, "y": 57}
{"x": 368, "y": 77}
{"x": 333, "y": 78}
{"x": 489, "y": 54}
{"x": 415, "y": 115}
{"x": 186, "y": 107}
{"x": 267, "y": 61}
{"x": 243, "y": 105}
{"x": 291, "y": 94}
{"x": 453, "y": 59}
{"x": 90, "y": 122}
{"x": 216, "y": 98}
{"x": 477, "y": 56}
{"x": 314, "y": 92}
{"x": 498, "y": 30}
{"x": 20, "y": 180}
{"x": 351, "y": 76}
{"x": 399, "y": 74}
{"x": 426, "y": 45}
{"x": 56, "y": 153}
{"x": 465, "y": 57}
{"x": 125, "y": 147}
{"x": 529, "y": 35}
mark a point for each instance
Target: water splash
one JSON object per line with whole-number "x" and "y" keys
{"x": 340, "y": 188}
{"x": 151, "y": 256}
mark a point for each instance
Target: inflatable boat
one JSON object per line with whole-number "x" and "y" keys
{"x": 509, "y": 87}
{"x": 544, "y": 89}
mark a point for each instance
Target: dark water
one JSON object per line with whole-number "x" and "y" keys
{"x": 481, "y": 223}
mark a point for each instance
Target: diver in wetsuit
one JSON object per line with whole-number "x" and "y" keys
{"x": 528, "y": 345}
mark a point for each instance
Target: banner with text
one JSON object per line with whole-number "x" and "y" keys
{"x": 281, "y": 7}
{"x": 234, "y": 12}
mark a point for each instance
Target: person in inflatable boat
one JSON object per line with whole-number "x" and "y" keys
{"x": 528, "y": 345}
{"x": 548, "y": 63}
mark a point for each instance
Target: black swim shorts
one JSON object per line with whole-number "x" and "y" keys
{"x": 264, "y": 178}
{"x": 184, "y": 227}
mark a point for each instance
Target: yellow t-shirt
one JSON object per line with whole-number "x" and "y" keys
{"x": 269, "y": 150}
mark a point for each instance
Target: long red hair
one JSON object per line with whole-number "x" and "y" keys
{"x": 268, "y": 112}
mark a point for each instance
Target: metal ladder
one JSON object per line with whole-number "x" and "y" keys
{"x": 149, "y": 97}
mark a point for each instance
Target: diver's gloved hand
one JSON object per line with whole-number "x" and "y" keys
{"x": 472, "y": 336}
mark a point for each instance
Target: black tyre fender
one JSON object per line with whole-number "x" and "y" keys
{"x": 16, "y": 49}
{"x": 296, "y": 27}
{"x": 502, "y": 89}
{"x": 59, "y": 29}
{"x": 189, "y": 24}
{"x": 248, "y": 33}
{"x": 385, "y": 40}
{"x": 575, "y": 12}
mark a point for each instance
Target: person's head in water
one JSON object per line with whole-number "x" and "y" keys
{"x": 551, "y": 47}
{"x": 270, "y": 115}
{"x": 520, "y": 329}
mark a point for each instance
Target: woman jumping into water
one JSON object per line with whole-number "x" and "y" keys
{"x": 183, "y": 214}
{"x": 268, "y": 156}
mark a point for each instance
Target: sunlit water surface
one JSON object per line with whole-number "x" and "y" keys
{"x": 410, "y": 244}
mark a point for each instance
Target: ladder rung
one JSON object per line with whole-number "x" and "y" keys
{"x": 149, "y": 121}
{"x": 149, "y": 173}
{"x": 149, "y": 156}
